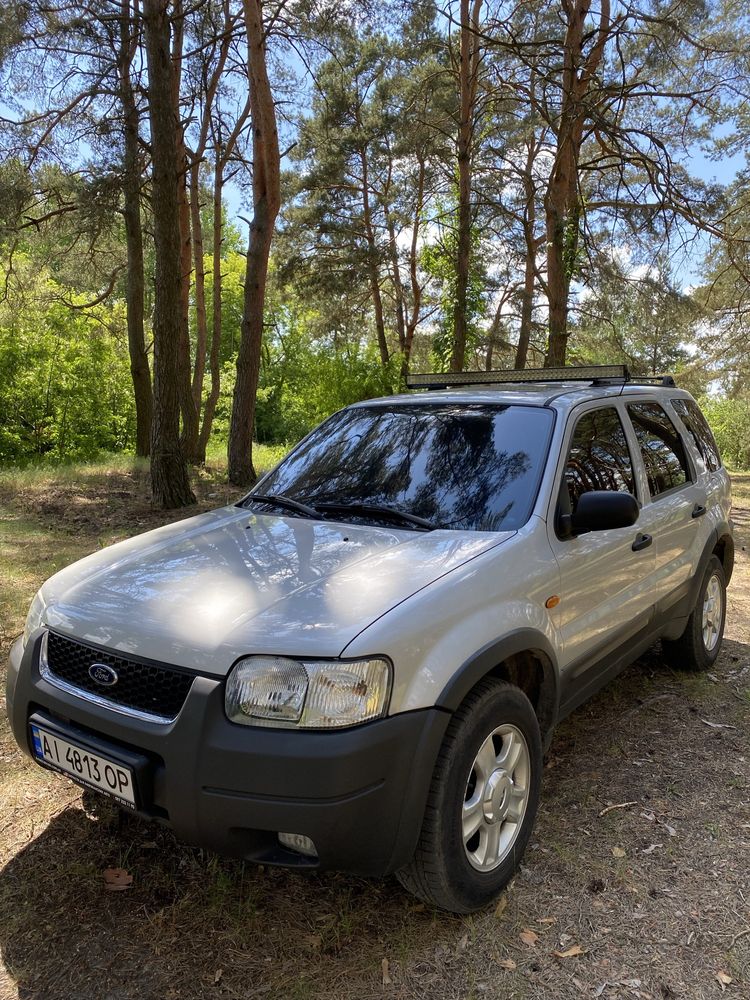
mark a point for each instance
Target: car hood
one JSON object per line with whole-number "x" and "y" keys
{"x": 202, "y": 592}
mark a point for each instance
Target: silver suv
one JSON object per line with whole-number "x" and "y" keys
{"x": 360, "y": 664}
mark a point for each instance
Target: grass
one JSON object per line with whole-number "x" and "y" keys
{"x": 265, "y": 457}
{"x": 54, "y": 513}
{"x": 195, "y": 925}
{"x": 741, "y": 489}
{"x": 29, "y": 553}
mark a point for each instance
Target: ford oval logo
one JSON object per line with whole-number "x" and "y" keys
{"x": 103, "y": 674}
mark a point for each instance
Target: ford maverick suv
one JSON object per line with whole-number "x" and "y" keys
{"x": 360, "y": 664}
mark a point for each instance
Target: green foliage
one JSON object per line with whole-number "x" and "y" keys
{"x": 65, "y": 389}
{"x": 302, "y": 383}
{"x": 232, "y": 293}
{"x": 644, "y": 322}
{"x": 730, "y": 421}
{"x": 367, "y": 241}
{"x": 439, "y": 261}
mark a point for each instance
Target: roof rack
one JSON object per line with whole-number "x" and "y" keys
{"x": 594, "y": 374}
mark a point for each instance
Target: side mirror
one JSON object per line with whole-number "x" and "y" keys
{"x": 601, "y": 510}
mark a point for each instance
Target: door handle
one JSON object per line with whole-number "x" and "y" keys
{"x": 641, "y": 542}
{"x": 698, "y": 511}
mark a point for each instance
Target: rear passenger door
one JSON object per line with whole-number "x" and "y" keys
{"x": 675, "y": 501}
{"x": 707, "y": 461}
{"x": 605, "y": 596}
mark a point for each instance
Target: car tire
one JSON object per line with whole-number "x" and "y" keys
{"x": 455, "y": 867}
{"x": 700, "y": 643}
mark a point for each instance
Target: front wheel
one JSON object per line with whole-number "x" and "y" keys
{"x": 700, "y": 643}
{"x": 482, "y": 801}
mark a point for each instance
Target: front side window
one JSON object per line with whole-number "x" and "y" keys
{"x": 661, "y": 447}
{"x": 697, "y": 425}
{"x": 470, "y": 466}
{"x": 599, "y": 456}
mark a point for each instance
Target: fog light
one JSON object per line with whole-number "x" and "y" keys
{"x": 297, "y": 842}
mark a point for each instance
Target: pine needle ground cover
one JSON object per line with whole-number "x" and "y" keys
{"x": 635, "y": 884}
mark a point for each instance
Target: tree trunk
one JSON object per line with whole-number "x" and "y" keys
{"x": 562, "y": 245}
{"x": 201, "y": 326}
{"x": 416, "y": 287}
{"x": 189, "y": 436}
{"x": 398, "y": 285}
{"x": 494, "y": 338}
{"x": 188, "y": 409}
{"x": 527, "y": 309}
{"x": 529, "y": 280}
{"x": 241, "y": 468}
{"x": 221, "y": 157}
{"x": 467, "y": 83}
{"x": 170, "y": 483}
{"x": 131, "y": 188}
{"x": 372, "y": 262}
{"x": 562, "y": 201}
{"x": 213, "y": 396}
{"x": 266, "y": 204}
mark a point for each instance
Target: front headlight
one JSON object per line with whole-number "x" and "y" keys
{"x": 307, "y": 694}
{"x": 34, "y": 617}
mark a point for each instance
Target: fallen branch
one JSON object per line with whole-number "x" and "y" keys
{"x": 736, "y": 937}
{"x": 620, "y": 805}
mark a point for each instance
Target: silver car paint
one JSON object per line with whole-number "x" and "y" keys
{"x": 606, "y": 592}
{"x": 238, "y": 582}
{"x": 203, "y": 592}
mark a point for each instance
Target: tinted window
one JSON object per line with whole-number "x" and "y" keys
{"x": 460, "y": 466}
{"x": 661, "y": 447}
{"x": 696, "y": 423}
{"x": 599, "y": 456}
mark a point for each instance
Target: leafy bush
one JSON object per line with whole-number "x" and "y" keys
{"x": 65, "y": 389}
{"x": 301, "y": 384}
{"x": 730, "y": 422}
{"x": 303, "y": 380}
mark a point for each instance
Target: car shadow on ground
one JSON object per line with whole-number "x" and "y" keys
{"x": 188, "y": 916}
{"x": 628, "y": 886}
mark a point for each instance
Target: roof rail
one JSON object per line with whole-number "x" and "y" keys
{"x": 665, "y": 380}
{"x": 594, "y": 374}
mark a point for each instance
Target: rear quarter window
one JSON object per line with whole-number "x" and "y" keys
{"x": 697, "y": 425}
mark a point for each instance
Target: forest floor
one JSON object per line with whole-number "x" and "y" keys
{"x": 649, "y": 899}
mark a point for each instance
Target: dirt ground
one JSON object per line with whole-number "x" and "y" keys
{"x": 649, "y": 899}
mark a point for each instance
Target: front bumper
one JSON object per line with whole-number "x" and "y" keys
{"x": 358, "y": 794}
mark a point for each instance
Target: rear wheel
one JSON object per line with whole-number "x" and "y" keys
{"x": 482, "y": 802}
{"x": 700, "y": 643}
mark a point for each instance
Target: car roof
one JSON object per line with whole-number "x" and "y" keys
{"x": 561, "y": 395}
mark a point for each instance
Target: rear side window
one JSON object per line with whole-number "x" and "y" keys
{"x": 661, "y": 447}
{"x": 599, "y": 456}
{"x": 696, "y": 423}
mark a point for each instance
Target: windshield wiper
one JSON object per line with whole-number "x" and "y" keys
{"x": 285, "y": 503}
{"x": 378, "y": 510}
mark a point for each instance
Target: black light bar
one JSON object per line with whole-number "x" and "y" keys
{"x": 447, "y": 380}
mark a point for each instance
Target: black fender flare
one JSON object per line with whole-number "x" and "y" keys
{"x": 491, "y": 656}
{"x": 677, "y": 615}
{"x": 725, "y": 539}
{"x": 719, "y": 536}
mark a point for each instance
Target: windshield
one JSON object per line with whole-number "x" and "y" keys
{"x": 470, "y": 466}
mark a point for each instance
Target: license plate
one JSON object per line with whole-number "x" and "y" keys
{"x": 85, "y": 767}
